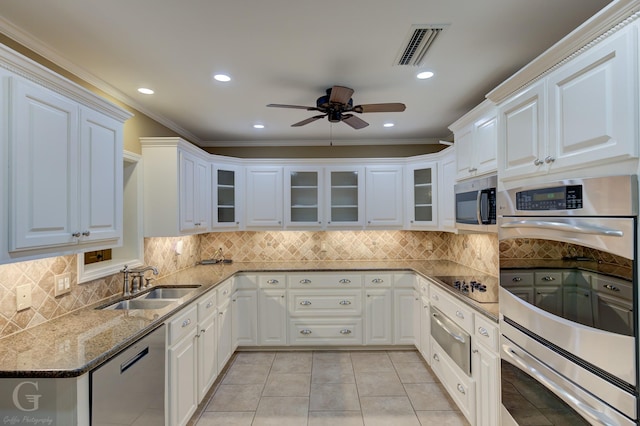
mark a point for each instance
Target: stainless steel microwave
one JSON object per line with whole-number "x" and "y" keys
{"x": 476, "y": 204}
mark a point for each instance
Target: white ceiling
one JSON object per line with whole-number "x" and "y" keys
{"x": 289, "y": 52}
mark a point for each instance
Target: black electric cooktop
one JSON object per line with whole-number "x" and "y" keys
{"x": 481, "y": 288}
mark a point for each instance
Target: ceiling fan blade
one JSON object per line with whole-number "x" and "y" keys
{"x": 353, "y": 121}
{"x": 340, "y": 94}
{"x": 308, "y": 108}
{"x": 308, "y": 120}
{"x": 388, "y": 107}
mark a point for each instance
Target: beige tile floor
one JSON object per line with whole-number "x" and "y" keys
{"x": 332, "y": 388}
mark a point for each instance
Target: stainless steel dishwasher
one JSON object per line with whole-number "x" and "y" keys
{"x": 129, "y": 388}
{"x": 452, "y": 339}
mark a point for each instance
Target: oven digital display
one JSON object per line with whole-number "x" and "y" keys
{"x": 557, "y": 198}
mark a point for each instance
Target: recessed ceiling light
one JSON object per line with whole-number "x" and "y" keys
{"x": 258, "y": 126}
{"x": 388, "y": 124}
{"x": 424, "y": 75}
{"x": 222, "y": 77}
{"x": 146, "y": 91}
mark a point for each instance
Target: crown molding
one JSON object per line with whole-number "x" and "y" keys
{"x": 319, "y": 142}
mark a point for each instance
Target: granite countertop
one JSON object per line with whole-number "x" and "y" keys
{"x": 76, "y": 343}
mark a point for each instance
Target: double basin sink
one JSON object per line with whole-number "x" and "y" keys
{"x": 156, "y": 298}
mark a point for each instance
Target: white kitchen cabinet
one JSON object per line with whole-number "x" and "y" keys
{"x": 264, "y": 197}
{"x": 485, "y": 367}
{"x": 227, "y": 184}
{"x": 303, "y": 197}
{"x": 207, "y": 341}
{"x": 378, "y": 316}
{"x": 245, "y": 318}
{"x": 225, "y": 323}
{"x": 476, "y": 142}
{"x": 272, "y": 311}
{"x": 404, "y": 321}
{"x": 195, "y": 193}
{"x": 65, "y": 181}
{"x": 344, "y": 197}
{"x": 583, "y": 113}
{"x": 384, "y": 196}
{"x": 422, "y": 196}
{"x": 425, "y": 329}
{"x": 446, "y": 194}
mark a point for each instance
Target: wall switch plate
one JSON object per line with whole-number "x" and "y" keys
{"x": 62, "y": 284}
{"x": 23, "y": 296}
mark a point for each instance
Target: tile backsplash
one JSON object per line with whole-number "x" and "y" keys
{"x": 475, "y": 250}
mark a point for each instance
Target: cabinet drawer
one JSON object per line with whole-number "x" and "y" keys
{"x": 516, "y": 279}
{"x": 460, "y": 386}
{"x": 224, "y": 293}
{"x": 325, "y": 303}
{"x": 422, "y": 286}
{"x": 333, "y": 280}
{"x": 548, "y": 278}
{"x": 404, "y": 280}
{"x": 184, "y": 323}
{"x": 378, "y": 280}
{"x": 325, "y": 332}
{"x": 272, "y": 281}
{"x": 456, "y": 310}
{"x": 486, "y": 332}
{"x": 207, "y": 305}
{"x": 243, "y": 281}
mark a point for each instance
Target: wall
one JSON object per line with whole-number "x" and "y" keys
{"x": 477, "y": 251}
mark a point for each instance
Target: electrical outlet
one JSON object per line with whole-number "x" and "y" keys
{"x": 23, "y": 296}
{"x": 428, "y": 246}
{"x": 323, "y": 246}
{"x": 62, "y": 284}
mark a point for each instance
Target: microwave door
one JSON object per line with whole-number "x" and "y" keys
{"x": 467, "y": 207}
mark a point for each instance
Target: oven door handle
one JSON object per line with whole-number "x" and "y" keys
{"x": 445, "y": 328}
{"x": 570, "y": 398}
{"x": 561, "y": 226}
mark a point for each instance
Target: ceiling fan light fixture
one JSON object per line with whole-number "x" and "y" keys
{"x": 335, "y": 116}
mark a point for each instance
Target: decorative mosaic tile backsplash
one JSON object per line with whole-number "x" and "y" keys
{"x": 477, "y": 251}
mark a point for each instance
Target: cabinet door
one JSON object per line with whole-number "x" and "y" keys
{"x": 464, "y": 153}
{"x": 226, "y": 196}
{"x": 302, "y": 197}
{"x": 264, "y": 197}
{"x": 486, "y": 372}
{"x": 485, "y": 141}
{"x": 183, "y": 363}
{"x": 245, "y": 318}
{"x": 422, "y": 196}
{"x": 403, "y": 317}
{"x": 592, "y": 104}
{"x": 344, "y": 205}
{"x": 378, "y": 317}
{"x": 272, "y": 311}
{"x": 43, "y": 182}
{"x": 225, "y": 335}
{"x": 577, "y": 305}
{"x": 446, "y": 194}
{"x": 207, "y": 356}
{"x": 425, "y": 329}
{"x": 384, "y": 196}
{"x": 194, "y": 193}
{"x": 521, "y": 138}
{"x": 101, "y": 177}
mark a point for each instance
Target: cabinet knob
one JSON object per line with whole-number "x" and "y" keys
{"x": 86, "y": 233}
{"x": 549, "y": 160}
{"x": 473, "y": 169}
{"x": 377, "y": 281}
{"x": 305, "y": 331}
{"x": 273, "y": 281}
{"x": 537, "y": 162}
{"x": 516, "y": 279}
{"x": 461, "y": 389}
{"x": 436, "y": 357}
{"x": 186, "y": 322}
{"x": 345, "y": 302}
{"x": 345, "y": 331}
{"x": 305, "y": 281}
{"x": 345, "y": 281}
{"x": 305, "y": 303}
{"x": 459, "y": 314}
{"x": 76, "y": 235}
{"x": 483, "y": 331}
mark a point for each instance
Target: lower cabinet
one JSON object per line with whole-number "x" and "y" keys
{"x": 403, "y": 317}
{"x": 272, "y": 311}
{"x": 225, "y": 335}
{"x": 207, "y": 342}
{"x": 485, "y": 367}
{"x": 425, "y": 329}
{"x": 378, "y": 319}
{"x": 245, "y": 318}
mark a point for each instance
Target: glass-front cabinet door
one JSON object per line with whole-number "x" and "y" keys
{"x": 345, "y": 196}
{"x": 303, "y": 194}
{"x": 422, "y": 206}
{"x": 226, "y": 197}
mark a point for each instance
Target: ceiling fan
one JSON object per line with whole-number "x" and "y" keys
{"x": 337, "y": 105}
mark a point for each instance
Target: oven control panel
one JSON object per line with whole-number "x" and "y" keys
{"x": 567, "y": 197}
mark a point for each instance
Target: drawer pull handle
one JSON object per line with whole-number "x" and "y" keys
{"x": 548, "y": 278}
{"x": 305, "y": 281}
{"x": 516, "y": 279}
{"x": 345, "y": 302}
{"x": 436, "y": 357}
{"x": 210, "y": 304}
{"x": 305, "y": 302}
{"x": 377, "y": 280}
{"x": 345, "y": 281}
{"x": 483, "y": 331}
{"x": 345, "y": 331}
{"x": 611, "y": 287}
{"x": 273, "y": 281}
{"x": 186, "y": 322}
{"x": 459, "y": 314}
{"x": 305, "y": 331}
{"x": 435, "y": 297}
{"x": 461, "y": 389}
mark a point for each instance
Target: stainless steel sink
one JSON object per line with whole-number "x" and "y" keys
{"x": 167, "y": 292}
{"x": 140, "y": 304}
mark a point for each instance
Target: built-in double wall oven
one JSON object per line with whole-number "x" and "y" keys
{"x": 569, "y": 302}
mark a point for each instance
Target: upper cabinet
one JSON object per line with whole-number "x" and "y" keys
{"x": 227, "y": 184}
{"x": 264, "y": 201}
{"x": 384, "y": 196}
{"x": 177, "y": 183}
{"x": 303, "y": 197}
{"x": 64, "y": 147}
{"x": 446, "y": 195}
{"x": 421, "y": 195}
{"x": 580, "y": 118}
{"x": 344, "y": 197}
{"x": 476, "y": 142}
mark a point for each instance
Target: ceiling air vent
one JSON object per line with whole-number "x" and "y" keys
{"x": 417, "y": 43}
